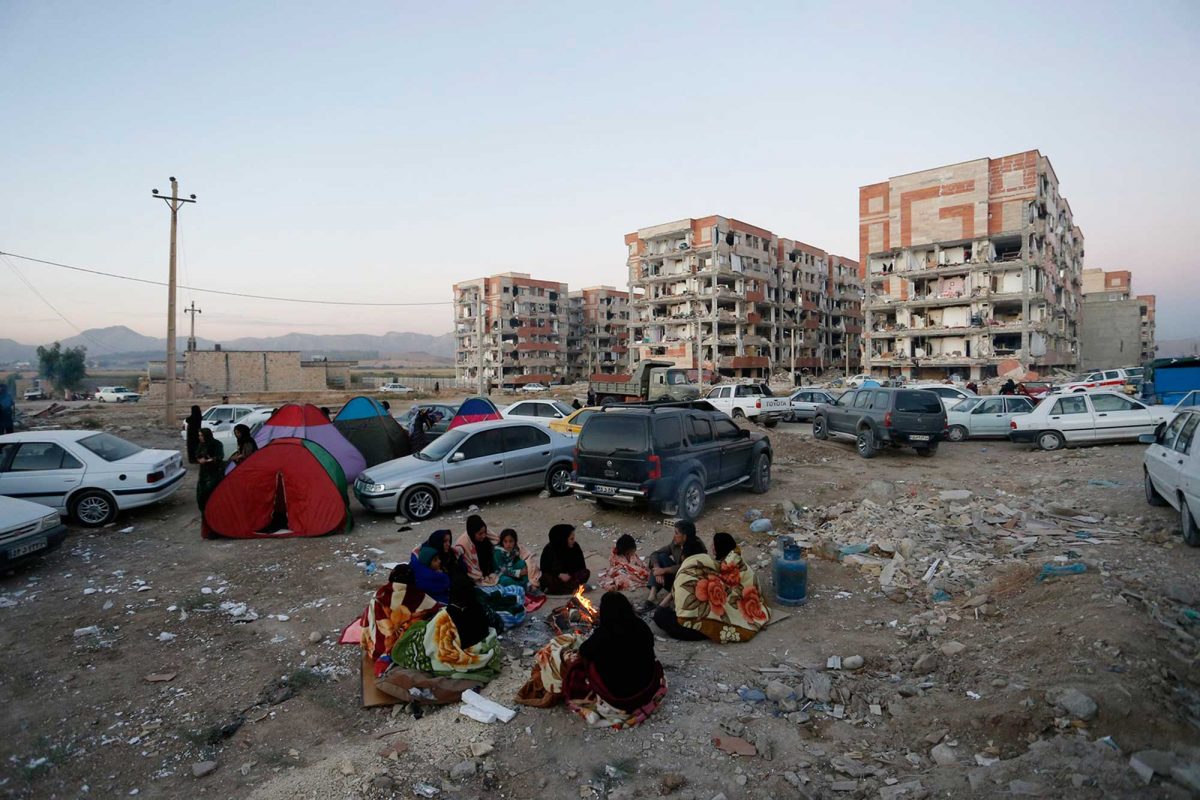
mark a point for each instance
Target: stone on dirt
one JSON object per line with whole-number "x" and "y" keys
{"x": 954, "y": 494}
{"x": 1074, "y": 702}
{"x": 952, "y": 648}
{"x": 779, "y": 691}
{"x": 852, "y": 662}
{"x": 671, "y": 782}
{"x": 1148, "y": 763}
{"x": 762, "y": 525}
{"x": 943, "y": 755}
{"x": 202, "y": 768}
{"x": 464, "y": 770}
{"x": 926, "y": 664}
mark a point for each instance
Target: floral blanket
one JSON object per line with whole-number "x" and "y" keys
{"x": 470, "y": 558}
{"x": 624, "y": 574}
{"x": 545, "y": 684}
{"x": 722, "y": 601}
{"x": 432, "y": 646}
{"x": 394, "y": 607}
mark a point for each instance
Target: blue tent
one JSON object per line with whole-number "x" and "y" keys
{"x": 475, "y": 409}
{"x": 372, "y": 430}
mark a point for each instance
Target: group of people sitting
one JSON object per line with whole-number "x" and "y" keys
{"x": 431, "y": 631}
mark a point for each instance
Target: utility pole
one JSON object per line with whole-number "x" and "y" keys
{"x": 191, "y": 344}
{"x": 175, "y": 202}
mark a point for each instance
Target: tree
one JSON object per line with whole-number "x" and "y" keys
{"x": 65, "y": 369}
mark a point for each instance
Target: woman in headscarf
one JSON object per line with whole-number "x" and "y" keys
{"x": 471, "y": 617}
{"x": 246, "y": 446}
{"x": 432, "y": 563}
{"x": 562, "y": 564}
{"x": 716, "y": 598}
{"x": 664, "y": 615}
{"x": 192, "y": 424}
{"x": 211, "y": 458}
{"x": 475, "y": 549}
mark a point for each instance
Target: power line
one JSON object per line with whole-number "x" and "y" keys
{"x": 61, "y": 316}
{"x": 104, "y": 274}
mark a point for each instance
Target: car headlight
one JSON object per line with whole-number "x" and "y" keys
{"x": 49, "y": 521}
{"x": 373, "y": 488}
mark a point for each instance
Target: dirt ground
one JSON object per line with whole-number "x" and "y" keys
{"x": 960, "y": 693}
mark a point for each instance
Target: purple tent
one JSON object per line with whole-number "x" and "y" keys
{"x": 307, "y": 422}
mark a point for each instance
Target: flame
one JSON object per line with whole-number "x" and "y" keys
{"x": 584, "y": 602}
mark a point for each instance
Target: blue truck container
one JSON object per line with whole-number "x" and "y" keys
{"x": 1166, "y": 380}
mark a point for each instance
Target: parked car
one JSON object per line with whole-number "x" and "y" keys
{"x": 1171, "y": 471}
{"x": 116, "y": 394}
{"x": 749, "y": 401}
{"x": 804, "y": 404}
{"x": 1101, "y": 380}
{"x": 34, "y": 393}
{"x": 951, "y": 395}
{"x": 855, "y": 381}
{"x": 27, "y": 530}
{"x": 471, "y": 462}
{"x": 984, "y": 417}
{"x": 541, "y": 411}
{"x": 875, "y": 417}
{"x": 667, "y": 457}
{"x": 1085, "y": 418}
{"x": 221, "y": 418}
{"x": 573, "y": 424}
{"x": 444, "y": 411}
{"x": 396, "y": 388}
{"x": 533, "y": 387}
{"x": 86, "y": 474}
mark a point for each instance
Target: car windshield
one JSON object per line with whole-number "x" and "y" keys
{"x": 918, "y": 401}
{"x": 968, "y": 404}
{"x": 614, "y": 433}
{"x": 563, "y": 408}
{"x": 109, "y": 447}
{"x": 440, "y": 448}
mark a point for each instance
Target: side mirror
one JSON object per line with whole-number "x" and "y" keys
{"x": 1148, "y": 438}
{"x": 459, "y": 456}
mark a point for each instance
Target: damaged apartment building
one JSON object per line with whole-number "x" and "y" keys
{"x": 522, "y": 325}
{"x": 972, "y": 269}
{"x": 597, "y": 331}
{"x": 738, "y": 301}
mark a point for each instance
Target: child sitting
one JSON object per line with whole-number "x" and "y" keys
{"x": 625, "y": 568}
{"x": 509, "y": 565}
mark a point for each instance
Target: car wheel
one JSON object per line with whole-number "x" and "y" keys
{"x": 770, "y": 423}
{"x": 739, "y": 414}
{"x": 1152, "y": 495}
{"x": 819, "y": 431}
{"x": 926, "y": 452}
{"x": 866, "y": 443}
{"x": 760, "y": 479}
{"x": 100, "y": 400}
{"x": 689, "y": 501}
{"x": 419, "y": 503}
{"x": 1050, "y": 440}
{"x": 556, "y": 480}
{"x": 93, "y": 508}
{"x": 1187, "y": 524}
{"x": 956, "y": 433}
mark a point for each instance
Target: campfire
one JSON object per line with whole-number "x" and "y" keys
{"x": 577, "y": 616}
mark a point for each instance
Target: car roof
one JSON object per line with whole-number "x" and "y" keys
{"x": 474, "y": 427}
{"x": 49, "y": 434}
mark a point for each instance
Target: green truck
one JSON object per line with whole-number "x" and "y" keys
{"x": 651, "y": 382}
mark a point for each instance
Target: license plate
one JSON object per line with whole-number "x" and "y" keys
{"x": 919, "y": 438}
{"x": 604, "y": 490}
{"x": 27, "y": 548}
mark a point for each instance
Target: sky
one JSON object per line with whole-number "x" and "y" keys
{"x": 379, "y": 152}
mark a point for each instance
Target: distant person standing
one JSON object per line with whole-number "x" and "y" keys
{"x": 8, "y": 410}
{"x": 437, "y": 387}
{"x": 192, "y": 424}
{"x": 1009, "y": 387}
{"x": 973, "y": 387}
{"x": 211, "y": 457}
{"x": 417, "y": 437}
{"x": 386, "y": 406}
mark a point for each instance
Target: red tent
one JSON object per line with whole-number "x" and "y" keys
{"x": 291, "y": 487}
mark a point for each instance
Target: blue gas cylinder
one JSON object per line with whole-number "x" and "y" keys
{"x": 791, "y": 573}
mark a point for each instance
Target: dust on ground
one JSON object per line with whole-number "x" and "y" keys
{"x": 220, "y": 657}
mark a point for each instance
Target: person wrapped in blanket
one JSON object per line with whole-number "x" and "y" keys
{"x": 625, "y": 568}
{"x": 433, "y": 562}
{"x": 611, "y": 679}
{"x": 511, "y": 568}
{"x": 715, "y": 597}
{"x": 426, "y": 652}
{"x": 562, "y": 564}
{"x": 476, "y": 550}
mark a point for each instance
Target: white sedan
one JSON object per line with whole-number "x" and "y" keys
{"x": 1085, "y": 418}
{"x": 979, "y": 417}
{"x": 1171, "y": 471}
{"x": 533, "y": 387}
{"x": 396, "y": 388}
{"x": 27, "y": 530}
{"x": 542, "y": 412}
{"x": 86, "y": 474}
{"x": 221, "y": 418}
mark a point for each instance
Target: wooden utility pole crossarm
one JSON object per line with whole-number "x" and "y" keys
{"x": 175, "y": 202}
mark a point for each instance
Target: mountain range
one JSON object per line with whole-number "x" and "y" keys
{"x": 117, "y": 341}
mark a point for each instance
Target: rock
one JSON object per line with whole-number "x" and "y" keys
{"x": 1183, "y": 593}
{"x": 544, "y": 495}
{"x": 818, "y": 686}
{"x": 844, "y": 786}
{"x": 202, "y": 768}
{"x": 383, "y": 783}
{"x": 952, "y": 648}
{"x": 1188, "y": 776}
{"x": 481, "y": 749}
{"x": 926, "y": 664}
{"x": 936, "y": 736}
{"x": 762, "y": 525}
{"x": 464, "y": 770}
{"x": 671, "y": 782}
{"x": 901, "y": 791}
{"x": 881, "y": 492}
{"x": 779, "y": 691}
{"x": 315, "y": 637}
{"x": 752, "y": 514}
{"x": 346, "y": 767}
{"x": 954, "y": 494}
{"x": 852, "y": 662}
{"x": 1025, "y": 788}
{"x": 1074, "y": 702}
{"x": 312, "y": 661}
{"x": 976, "y": 601}
{"x": 1148, "y": 763}
{"x": 943, "y": 755}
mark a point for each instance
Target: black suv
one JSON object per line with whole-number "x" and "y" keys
{"x": 667, "y": 457}
{"x": 879, "y": 416}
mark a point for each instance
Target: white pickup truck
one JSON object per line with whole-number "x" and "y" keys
{"x": 751, "y": 401}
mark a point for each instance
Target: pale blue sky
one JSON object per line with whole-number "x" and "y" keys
{"x": 383, "y": 151}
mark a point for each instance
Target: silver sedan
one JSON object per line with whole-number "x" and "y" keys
{"x": 804, "y": 404}
{"x": 470, "y": 462}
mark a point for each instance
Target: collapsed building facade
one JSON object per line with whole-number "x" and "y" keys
{"x": 734, "y": 299}
{"x": 1117, "y": 327}
{"x": 972, "y": 269}
{"x": 511, "y": 327}
{"x": 597, "y": 331}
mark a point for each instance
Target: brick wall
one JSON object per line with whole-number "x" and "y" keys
{"x": 234, "y": 371}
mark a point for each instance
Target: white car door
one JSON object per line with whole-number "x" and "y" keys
{"x": 1120, "y": 418}
{"x": 1189, "y": 469}
{"x": 41, "y": 472}
{"x": 1072, "y": 417}
{"x": 1159, "y": 457}
{"x": 988, "y": 418}
{"x": 1175, "y": 460}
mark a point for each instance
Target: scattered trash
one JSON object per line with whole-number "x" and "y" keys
{"x": 762, "y": 525}
{"x": 587, "y": 524}
{"x": 425, "y": 790}
{"x": 940, "y": 596}
{"x": 751, "y": 695}
{"x": 735, "y": 746}
{"x": 90, "y": 630}
{"x": 166, "y": 637}
{"x": 478, "y": 701}
{"x": 126, "y": 530}
{"x": 1058, "y": 570}
{"x": 160, "y": 677}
